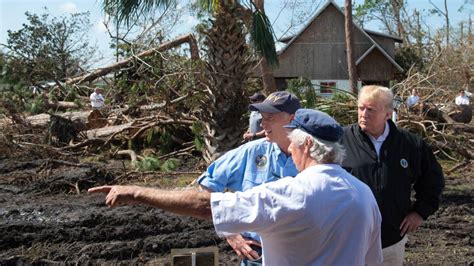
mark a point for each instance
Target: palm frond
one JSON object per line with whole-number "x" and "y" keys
{"x": 126, "y": 11}
{"x": 262, "y": 37}
{"x": 209, "y": 5}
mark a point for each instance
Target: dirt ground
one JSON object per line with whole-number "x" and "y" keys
{"x": 46, "y": 218}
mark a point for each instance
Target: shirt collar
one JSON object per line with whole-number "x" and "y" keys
{"x": 382, "y": 137}
{"x": 279, "y": 152}
{"x": 277, "y": 149}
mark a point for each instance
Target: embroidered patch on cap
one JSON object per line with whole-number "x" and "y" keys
{"x": 404, "y": 163}
{"x": 261, "y": 160}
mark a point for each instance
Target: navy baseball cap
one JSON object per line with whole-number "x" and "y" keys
{"x": 280, "y": 101}
{"x": 317, "y": 124}
{"x": 257, "y": 97}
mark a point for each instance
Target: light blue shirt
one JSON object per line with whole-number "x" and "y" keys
{"x": 247, "y": 166}
{"x": 412, "y": 100}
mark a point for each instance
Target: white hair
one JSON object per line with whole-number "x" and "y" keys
{"x": 322, "y": 151}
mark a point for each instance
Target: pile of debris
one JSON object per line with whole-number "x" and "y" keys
{"x": 446, "y": 126}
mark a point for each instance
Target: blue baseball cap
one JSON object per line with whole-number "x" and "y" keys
{"x": 257, "y": 97}
{"x": 317, "y": 124}
{"x": 280, "y": 101}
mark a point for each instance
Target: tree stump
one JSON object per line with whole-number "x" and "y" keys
{"x": 96, "y": 120}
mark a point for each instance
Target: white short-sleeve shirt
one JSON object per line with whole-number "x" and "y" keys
{"x": 460, "y": 100}
{"x": 97, "y": 100}
{"x": 324, "y": 216}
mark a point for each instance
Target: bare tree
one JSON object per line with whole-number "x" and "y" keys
{"x": 469, "y": 31}
{"x": 296, "y": 13}
{"x": 397, "y": 6}
{"x": 445, "y": 15}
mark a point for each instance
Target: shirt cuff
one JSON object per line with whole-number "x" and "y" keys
{"x": 218, "y": 215}
{"x": 206, "y": 181}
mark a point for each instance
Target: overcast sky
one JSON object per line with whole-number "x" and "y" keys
{"x": 12, "y": 16}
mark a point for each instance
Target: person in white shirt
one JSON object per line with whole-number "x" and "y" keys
{"x": 413, "y": 98}
{"x": 462, "y": 98}
{"x": 97, "y": 99}
{"x": 323, "y": 216}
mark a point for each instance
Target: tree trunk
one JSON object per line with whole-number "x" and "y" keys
{"x": 447, "y": 20}
{"x": 446, "y": 17}
{"x": 165, "y": 46}
{"x": 397, "y": 6}
{"x": 351, "y": 67}
{"x": 469, "y": 31}
{"x": 225, "y": 75}
{"x": 62, "y": 105}
{"x": 268, "y": 78}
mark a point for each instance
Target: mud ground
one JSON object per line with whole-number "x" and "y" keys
{"x": 47, "y": 218}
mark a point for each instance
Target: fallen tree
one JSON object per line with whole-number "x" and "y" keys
{"x": 100, "y": 72}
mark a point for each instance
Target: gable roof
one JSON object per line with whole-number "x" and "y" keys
{"x": 373, "y": 48}
{"x": 395, "y": 38}
{"x": 286, "y": 39}
{"x": 364, "y": 32}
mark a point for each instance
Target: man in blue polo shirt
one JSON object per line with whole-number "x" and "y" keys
{"x": 257, "y": 162}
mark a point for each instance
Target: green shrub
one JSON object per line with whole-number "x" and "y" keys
{"x": 151, "y": 163}
{"x": 304, "y": 90}
{"x": 148, "y": 164}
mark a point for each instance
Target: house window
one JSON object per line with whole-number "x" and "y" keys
{"x": 326, "y": 87}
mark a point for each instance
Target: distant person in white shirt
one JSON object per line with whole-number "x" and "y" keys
{"x": 413, "y": 98}
{"x": 97, "y": 99}
{"x": 323, "y": 216}
{"x": 413, "y": 102}
{"x": 462, "y": 98}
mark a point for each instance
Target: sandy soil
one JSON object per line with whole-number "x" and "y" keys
{"x": 43, "y": 220}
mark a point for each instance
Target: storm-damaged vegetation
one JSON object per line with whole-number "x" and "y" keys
{"x": 173, "y": 106}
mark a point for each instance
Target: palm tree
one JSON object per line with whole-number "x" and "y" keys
{"x": 253, "y": 16}
{"x": 228, "y": 63}
{"x": 227, "y": 70}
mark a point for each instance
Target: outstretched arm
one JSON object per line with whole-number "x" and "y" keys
{"x": 186, "y": 202}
